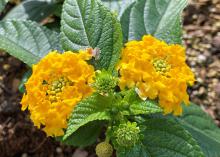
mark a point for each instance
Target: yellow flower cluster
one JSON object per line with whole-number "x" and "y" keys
{"x": 58, "y": 83}
{"x": 157, "y": 70}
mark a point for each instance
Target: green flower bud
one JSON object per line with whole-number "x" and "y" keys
{"x": 127, "y": 134}
{"x": 104, "y": 149}
{"x": 105, "y": 82}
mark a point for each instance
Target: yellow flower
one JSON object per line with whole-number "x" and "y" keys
{"x": 157, "y": 70}
{"x": 57, "y": 84}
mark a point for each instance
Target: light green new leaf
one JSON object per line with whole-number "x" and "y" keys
{"x": 85, "y": 135}
{"x": 144, "y": 107}
{"x": 87, "y": 23}
{"x": 158, "y": 18}
{"x": 138, "y": 106}
{"x": 2, "y": 4}
{"x": 90, "y": 109}
{"x": 35, "y": 10}
{"x": 27, "y": 41}
{"x": 203, "y": 129}
{"x": 163, "y": 138}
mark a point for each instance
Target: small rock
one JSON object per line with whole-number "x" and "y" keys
{"x": 212, "y": 73}
{"x": 201, "y": 58}
{"x": 216, "y": 42}
{"x": 6, "y": 66}
{"x": 24, "y": 155}
{"x": 202, "y": 91}
{"x": 199, "y": 80}
{"x": 217, "y": 89}
{"x": 80, "y": 153}
{"x": 211, "y": 94}
{"x": 59, "y": 150}
{"x": 192, "y": 63}
{"x": 195, "y": 93}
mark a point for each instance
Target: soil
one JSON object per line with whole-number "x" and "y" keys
{"x": 18, "y": 136}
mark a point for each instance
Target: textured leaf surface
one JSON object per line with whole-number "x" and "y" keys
{"x": 2, "y": 4}
{"x": 144, "y": 107}
{"x": 125, "y": 21}
{"x": 87, "y": 23}
{"x": 203, "y": 129}
{"x": 137, "y": 151}
{"x": 138, "y": 106}
{"x": 90, "y": 109}
{"x": 27, "y": 40}
{"x": 158, "y": 18}
{"x": 85, "y": 135}
{"x": 35, "y": 10}
{"x": 163, "y": 138}
{"x": 117, "y": 6}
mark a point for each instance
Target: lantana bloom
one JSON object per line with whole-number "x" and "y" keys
{"x": 57, "y": 84}
{"x": 158, "y": 71}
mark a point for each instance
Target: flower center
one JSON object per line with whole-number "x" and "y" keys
{"x": 161, "y": 66}
{"x": 56, "y": 87}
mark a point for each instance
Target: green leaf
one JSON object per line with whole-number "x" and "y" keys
{"x": 2, "y": 4}
{"x": 163, "y": 137}
{"x": 24, "y": 79}
{"x": 35, "y": 10}
{"x": 90, "y": 109}
{"x": 125, "y": 20}
{"x": 26, "y": 40}
{"x": 87, "y": 23}
{"x": 117, "y": 6}
{"x": 144, "y": 107}
{"x": 203, "y": 129}
{"x": 85, "y": 135}
{"x": 158, "y": 18}
{"x": 138, "y": 106}
{"x": 137, "y": 151}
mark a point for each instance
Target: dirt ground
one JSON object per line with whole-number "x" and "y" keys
{"x": 19, "y": 138}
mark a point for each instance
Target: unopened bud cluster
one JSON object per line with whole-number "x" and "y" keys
{"x": 105, "y": 82}
{"x": 127, "y": 134}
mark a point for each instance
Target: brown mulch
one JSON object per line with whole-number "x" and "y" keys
{"x": 18, "y": 136}
{"x": 202, "y": 39}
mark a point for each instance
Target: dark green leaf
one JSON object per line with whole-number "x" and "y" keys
{"x": 55, "y": 26}
{"x": 35, "y": 10}
{"x": 87, "y": 23}
{"x": 26, "y": 40}
{"x": 85, "y": 135}
{"x": 90, "y": 109}
{"x": 137, "y": 151}
{"x": 203, "y": 129}
{"x": 163, "y": 137}
{"x": 158, "y": 18}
